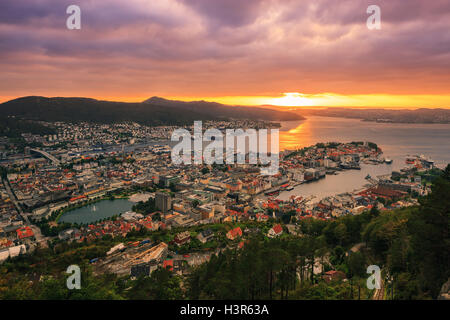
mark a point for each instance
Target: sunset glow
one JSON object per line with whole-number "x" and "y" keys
{"x": 285, "y": 53}
{"x": 295, "y": 99}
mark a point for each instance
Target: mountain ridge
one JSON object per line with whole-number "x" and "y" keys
{"x": 153, "y": 111}
{"x": 214, "y": 108}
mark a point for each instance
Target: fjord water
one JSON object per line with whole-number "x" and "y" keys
{"x": 397, "y": 140}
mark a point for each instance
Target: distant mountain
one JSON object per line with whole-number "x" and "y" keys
{"x": 155, "y": 111}
{"x": 214, "y": 109}
{"x": 422, "y": 115}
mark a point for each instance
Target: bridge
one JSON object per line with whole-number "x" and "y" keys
{"x": 47, "y": 155}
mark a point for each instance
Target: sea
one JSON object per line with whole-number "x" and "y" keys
{"x": 397, "y": 141}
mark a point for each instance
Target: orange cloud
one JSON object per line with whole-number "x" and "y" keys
{"x": 231, "y": 51}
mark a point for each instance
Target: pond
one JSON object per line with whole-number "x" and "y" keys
{"x": 97, "y": 211}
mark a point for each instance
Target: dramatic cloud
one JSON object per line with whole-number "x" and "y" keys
{"x": 136, "y": 48}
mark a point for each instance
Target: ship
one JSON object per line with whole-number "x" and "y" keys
{"x": 272, "y": 192}
{"x": 353, "y": 165}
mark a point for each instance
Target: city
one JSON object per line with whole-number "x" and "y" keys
{"x": 200, "y": 209}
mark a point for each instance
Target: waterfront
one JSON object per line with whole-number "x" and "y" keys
{"x": 395, "y": 139}
{"x": 97, "y": 211}
{"x": 344, "y": 181}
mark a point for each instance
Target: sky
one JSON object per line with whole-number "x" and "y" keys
{"x": 253, "y": 52}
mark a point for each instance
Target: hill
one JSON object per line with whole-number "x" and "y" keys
{"x": 213, "y": 109}
{"x": 155, "y": 111}
{"x": 422, "y": 115}
{"x": 12, "y": 127}
{"x": 91, "y": 110}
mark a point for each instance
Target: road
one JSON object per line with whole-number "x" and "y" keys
{"x": 13, "y": 198}
{"x": 36, "y": 230}
{"x": 379, "y": 293}
{"x": 47, "y": 155}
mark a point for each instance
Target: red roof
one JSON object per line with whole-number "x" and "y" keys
{"x": 77, "y": 198}
{"x": 7, "y": 244}
{"x": 334, "y": 274}
{"x": 235, "y": 232}
{"x": 25, "y": 232}
{"x": 148, "y": 225}
{"x": 331, "y": 272}
{"x": 277, "y": 228}
{"x": 168, "y": 263}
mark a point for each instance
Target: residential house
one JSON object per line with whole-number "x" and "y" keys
{"x": 234, "y": 233}
{"x": 275, "y": 231}
{"x": 333, "y": 275}
{"x": 182, "y": 238}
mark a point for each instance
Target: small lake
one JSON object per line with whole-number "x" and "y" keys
{"x": 97, "y": 211}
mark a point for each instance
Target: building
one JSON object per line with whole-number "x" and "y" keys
{"x": 205, "y": 235}
{"x": 207, "y": 211}
{"x": 68, "y": 234}
{"x": 139, "y": 270}
{"x": 4, "y": 255}
{"x": 166, "y": 181}
{"x": 275, "y": 231}
{"x": 182, "y": 221}
{"x": 163, "y": 202}
{"x": 381, "y": 191}
{"x": 310, "y": 174}
{"x": 25, "y": 232}
{"x": 182, "y": 238}
{"x": 116, "y": 248}
{"x": 333, "y": 275}
{"x": 234, "y": 233}
{"x": 168, "y": 264}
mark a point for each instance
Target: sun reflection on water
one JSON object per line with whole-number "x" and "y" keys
{"x": 297, "y": 137}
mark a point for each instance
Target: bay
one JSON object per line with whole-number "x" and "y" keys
{"x": 397, "y": 140}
